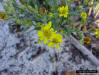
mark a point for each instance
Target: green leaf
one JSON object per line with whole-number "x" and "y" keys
{"x": 74, "y": 13}
{"x": 81, "y": 41}
{"x": 37, "y": 28}
{"x": 97, "y": 6}
{"x": 80, "y": 34}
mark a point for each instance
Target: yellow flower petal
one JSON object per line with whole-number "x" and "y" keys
{"x": 51, "y": 29}
{"x": 61, "y": 15}
{"x": 57, "y": 46}
{"x": 66, "y": 7}
{"x": 97, "y": 36}
{"x": 50, "y": 44}
{"x": 45, "y": 41}
{"x": 53, "y": 45}
{"x": 40, "y": 33}
{"x": 50, "y": 23}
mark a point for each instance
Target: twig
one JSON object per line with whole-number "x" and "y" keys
{"x": 90, "y": 11}
{"x": 84, "y": 51}
{"x": 96, "y": 14}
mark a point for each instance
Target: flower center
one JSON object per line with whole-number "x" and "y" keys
{"x": 47, "y": 33}
{"x": 55, "y": 41}
{"x": 84, "y": 15}
{"x": 63, "y": 12}
{"x": 3, "y": 16}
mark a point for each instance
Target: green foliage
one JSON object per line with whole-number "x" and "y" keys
{"x": 97, "y": 6}
{"x": 85, "y": 2}
{"x": 38, "y": 11}
{"x": 37, "y": 28}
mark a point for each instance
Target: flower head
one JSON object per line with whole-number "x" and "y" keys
{"x": 87, "y": 40}
{"x": 46, "y": 32}
{"x": 49, "y": 36}
{"x": 97, "y": 33}
{"x": 43, "y": 10}
{"x": 83, "y": 15}
{"x": 50, "y": 14}
{"x": 64, "y": 11}
{"x": 2, "y": 15}
{"x": 23, "y": 6}
{"x": 55, "y": 40}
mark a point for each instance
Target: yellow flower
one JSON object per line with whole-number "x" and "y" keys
{"x": 46, "y": 32}
{"x": 2, "y": 15}
{"x": 87, "y": 40}
{"x": 43, "y": 10}
{"x": 55, "y": 40}
{"x": 64, "y": 11}
{"x": 23, "y": 6}
{"x": 50, "y": 15}
{"x": 83, "y": 15}
{"x": 97, "y": 33}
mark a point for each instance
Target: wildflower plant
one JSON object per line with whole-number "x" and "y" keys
{"x": 47, "y": 34}
{"x": 53, "y": 18}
